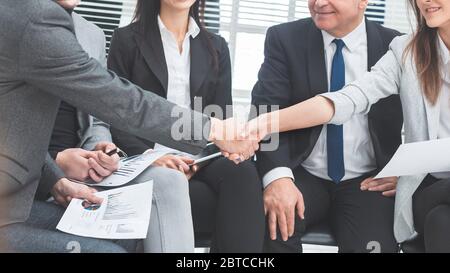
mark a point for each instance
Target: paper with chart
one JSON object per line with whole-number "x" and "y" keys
{"x": 419, "y": 158}
{"x": 124, "y": 214}
{"x": 130, "y": 168}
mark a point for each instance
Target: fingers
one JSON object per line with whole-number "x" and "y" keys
{"x": 371, "y": 183}
{"x": 94, "y": 176}
{"x": 109, "y": 147}
{"x": 186, "y": 160}
{"x": 300, "y": 206}
{"x": 194, "y": 168}
{"x": 290, "y": 217}
{"x": 85, "y": 192}
{"x": 272, "y": 221}
{"x": 171, "y": 165}
{"x": 390, "y": 193}
{"x": 282, "y": 224}
{"x": 98, "y": 168}
{"x": 111, "y": 163}
{"x": 181, "y": 164}
{"x": 383, "y": 187}
{"x": 365, "y": 183}
{"x": 105, "y": 146}
{"x": 235, "y": 158}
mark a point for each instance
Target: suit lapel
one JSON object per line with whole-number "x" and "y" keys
{"x": 200, "y": 65}
{"x": 152, "y": 50}
{"x": 317, "y": 72}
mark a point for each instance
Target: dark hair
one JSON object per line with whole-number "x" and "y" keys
{"x": 424, "y": 48}
{"x": 147, "y": 11}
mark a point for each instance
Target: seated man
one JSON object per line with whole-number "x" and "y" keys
{"x": 323, "y": 174}
{"x": 170, "y": 227}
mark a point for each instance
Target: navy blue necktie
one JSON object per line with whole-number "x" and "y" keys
{"x": 335, "y": 135}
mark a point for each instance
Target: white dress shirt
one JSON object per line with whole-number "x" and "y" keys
{"x": 359, "y": 155}
{"x": 444, "y": 101}
{"x": 178, "y": 67}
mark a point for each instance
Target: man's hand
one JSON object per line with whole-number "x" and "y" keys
{"x": 282, "y": 202}
{"x": 81, "y": 165}
{"x": 179, "y": 163}
{"x": 64, "y": 191}
{"x": 386, "y": 185}
{"x": 75, "y": 163}
{"x": 229, "y": 135}
{"x": 103, "y": 165}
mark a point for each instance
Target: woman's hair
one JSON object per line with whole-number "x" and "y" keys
{"x": 424, "y": 48}
{"x": 147, "y": 11}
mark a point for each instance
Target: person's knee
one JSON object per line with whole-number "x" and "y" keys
{"x": 243, "y": 175}
{"x": 171, "y": 185}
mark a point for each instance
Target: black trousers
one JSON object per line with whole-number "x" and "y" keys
{"x": 356, "y": 217}
{"x": 227, "y": 201}
{"x": 431, "y": 208}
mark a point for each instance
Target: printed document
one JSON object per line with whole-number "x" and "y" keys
{"x": 123, "y": 214}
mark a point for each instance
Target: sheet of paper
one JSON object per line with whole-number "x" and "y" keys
{"x": 124, "y": 214}
{"x": 419, "y": 158}
{"x": 129, "y": 169}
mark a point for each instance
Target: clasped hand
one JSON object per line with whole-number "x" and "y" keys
{"x": 238, "y": 140}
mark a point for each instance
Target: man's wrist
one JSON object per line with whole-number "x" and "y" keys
{"x": 276, "y": 174}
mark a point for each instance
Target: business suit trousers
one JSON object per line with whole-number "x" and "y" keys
{"x": 431, "y": 208}
{"x": 360, "y": 220}
{"x": 227, "y": 202}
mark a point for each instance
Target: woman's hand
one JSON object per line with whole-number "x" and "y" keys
{"x": 179, "y": 163}
{"x": 386, "y": 185}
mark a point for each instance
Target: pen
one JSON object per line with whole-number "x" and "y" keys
{"x": 112, "y": 152}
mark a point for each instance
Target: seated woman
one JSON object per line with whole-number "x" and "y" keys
{"x": 168, "y": 51}
{"x": 417, "y": 67}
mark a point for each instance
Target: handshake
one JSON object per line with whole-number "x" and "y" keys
{"x": 239, "y": 140}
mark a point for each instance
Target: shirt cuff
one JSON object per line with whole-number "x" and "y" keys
{"x": 344, "y": 107}
{"x": 277, "y": 173}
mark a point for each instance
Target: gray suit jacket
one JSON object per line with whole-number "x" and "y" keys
{"x": 41, "y": 63}
{"x": 392, "y": 75}
{"x": 92, "y": 40}
{"x": 91, "y": 130}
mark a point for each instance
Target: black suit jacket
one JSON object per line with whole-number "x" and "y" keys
{"x": 294, "y": 70}
{"x": 139, "y": 57}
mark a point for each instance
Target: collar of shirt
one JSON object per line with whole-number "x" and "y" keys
{"x": 445, "y": 56}
{"x": 351, "y": 40}
{"x": 193, "y": 28}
